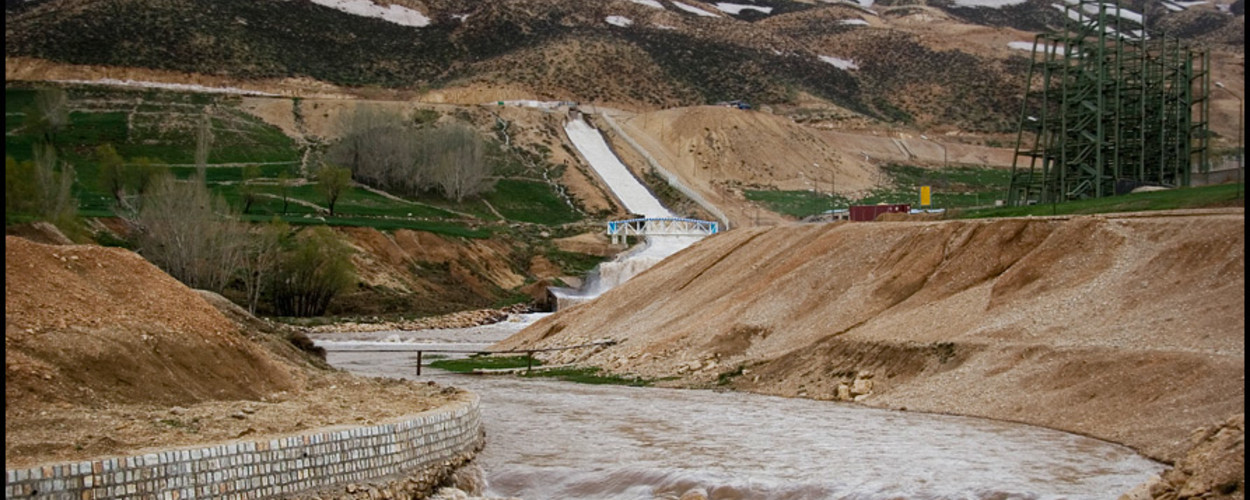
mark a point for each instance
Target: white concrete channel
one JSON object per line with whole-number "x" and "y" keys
{"x": 637, "y": 199}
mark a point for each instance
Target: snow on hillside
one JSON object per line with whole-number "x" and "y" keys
{"x": 650, "y": 3}
{"x": 843, "y": 64}
{"x": 621, "y": 21}
{"x": 1029, "y": 46}
{"x": 854, "y": 22}
{"x": 735, "y": 9}
{"x": 393, "y": 13}
{"x": 182, "y": 87}
{"x": 693, "y": 10}
{"x": 989, "y": 4}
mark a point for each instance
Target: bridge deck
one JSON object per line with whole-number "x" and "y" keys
{"x": 672, "y": 226}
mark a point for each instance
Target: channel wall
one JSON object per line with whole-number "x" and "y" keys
{"x": 405, "y": 457}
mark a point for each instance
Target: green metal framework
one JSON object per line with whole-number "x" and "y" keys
{"x": 1109, "y": 107}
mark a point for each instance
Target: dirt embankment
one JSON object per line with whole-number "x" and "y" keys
{"x": 106, "y": 355}
{"x": 719, "y": 152}
{"x": 1126, "y": 328}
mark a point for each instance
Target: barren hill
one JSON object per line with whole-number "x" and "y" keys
{"x": 927, "y": 64}
{"x": 1127, "y": 328}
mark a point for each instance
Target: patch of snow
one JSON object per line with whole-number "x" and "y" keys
{"x": 1173, "y": 7}
{"x": 1029, "y": 47}
{"x": 989, "y": 4}
{"x": 182, "y": 87}
{"x": 460, "y": 17}
{"x": 842, "y": 64}
{"x": 865, "y": 3}
{"x": 854, "y": 22}
{"x": 735, "y": 8}
{"x": 650, "y": 3}
{"x": 665, "y": 27}
{"x": 530, "y": 103}
{"x": 693, "y": 10}
{"x": 393, "y": 13}
{"x": 621, "y": 21}
{"x": 1111, "y": 10}
{"x": 1194, "y": 3}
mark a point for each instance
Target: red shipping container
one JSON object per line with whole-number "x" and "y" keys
{"x": 869, "y": 213}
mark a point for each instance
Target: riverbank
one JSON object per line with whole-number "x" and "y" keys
{"x": 105, "y": 355}
{"x": 1128, "y": 328}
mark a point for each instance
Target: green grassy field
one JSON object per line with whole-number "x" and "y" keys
{"x": 951, "y": 187}
{"x": 1220, "y": 195}
{"x": 966, "y": 191}
{"x": 466, "y": 365}
{"x": 162, "y": 125}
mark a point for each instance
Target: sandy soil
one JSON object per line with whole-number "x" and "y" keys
{"x": 719, "y": 152}
{"x": 1126, "y": 328}
{"x": 107, "y": 355}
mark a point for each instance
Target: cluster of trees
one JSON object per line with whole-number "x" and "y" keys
{"x": 41, "y": 188}
{"x": 387, "y": 151}
{"x": 198, "y": 238}
{"x": 179, "y": 225}
{"x": 126, "y": 181}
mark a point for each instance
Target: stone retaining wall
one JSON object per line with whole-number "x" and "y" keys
{"x": 425, "y": 445}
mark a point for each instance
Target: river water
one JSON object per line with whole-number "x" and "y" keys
{"x": 558, "y": 440}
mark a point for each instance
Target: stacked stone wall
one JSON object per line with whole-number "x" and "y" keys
{"x": 403, "y": 456}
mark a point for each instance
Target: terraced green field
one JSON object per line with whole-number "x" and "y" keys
{"x": 163, "y": 125}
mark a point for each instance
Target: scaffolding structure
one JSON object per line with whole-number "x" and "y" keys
{"x": 1109, "y": 107}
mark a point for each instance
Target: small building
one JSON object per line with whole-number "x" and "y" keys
{"x": 869, "y": 213}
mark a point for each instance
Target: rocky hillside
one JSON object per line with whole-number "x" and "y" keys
{"x": 917, "y": 63}
{"x": 1127, "y": 328}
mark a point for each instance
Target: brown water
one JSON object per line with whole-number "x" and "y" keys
{"x": 556, "y": 440}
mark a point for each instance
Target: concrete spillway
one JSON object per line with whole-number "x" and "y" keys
{"x": 637, "y": 199}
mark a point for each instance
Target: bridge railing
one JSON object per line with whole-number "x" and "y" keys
{"x": 662, "y": 225}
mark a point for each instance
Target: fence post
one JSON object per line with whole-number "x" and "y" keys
{"x": 418, "y": 363}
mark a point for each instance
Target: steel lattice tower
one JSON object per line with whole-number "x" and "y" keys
{"x": 1109, "y": 107}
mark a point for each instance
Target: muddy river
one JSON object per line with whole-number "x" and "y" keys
{"x": 555, "y": 440}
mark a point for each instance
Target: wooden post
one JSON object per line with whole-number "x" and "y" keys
{"x": 529, "y": 361}
{"x": 418, "y": 363}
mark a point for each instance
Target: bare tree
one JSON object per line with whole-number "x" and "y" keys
{"x": 260, "y": 257}
{"x": 188, "y": 232}
{"x": 380, "y": 149}
{"x": 42, "y": 187}
{"x": 55, "y": 181}
{"x": 203, "y": 142}
{"x": 456, "y": 161}
{"x": 48, "y": 115}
